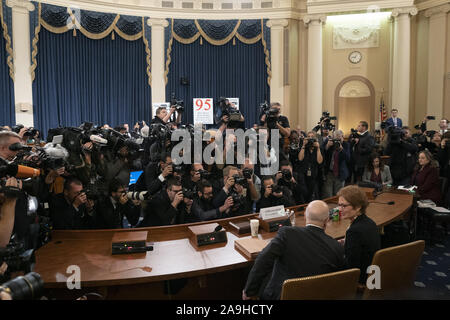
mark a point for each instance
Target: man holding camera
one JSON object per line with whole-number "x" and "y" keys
{"x": 361, "y": 145}
{"x": 235, "y": 188}
{"x": 155, "y": 174}
{"x": 274, "y": 195}
{"x": 310, "y": 157}
{"x": 167, "y": 207}
{"x": 293, "y": 181}
{"x": 111, "y": 210}
{"x": 274, "y": 120}
{"x": 72, "y": 210}
{"x": 337, "y": 157}
{"x": 203, "y": 207}
{"x": 402, "y": 150}
{"x": 162, "y": 116}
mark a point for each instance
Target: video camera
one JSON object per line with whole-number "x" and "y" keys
{"x": 233, "y": 114}
{"x": 325, "y": 122}
{"x": 31, "y": 132}
{"x": 395, "y": 134}
{"x": 178, "y": 104}
{"x": 272, "y": 115}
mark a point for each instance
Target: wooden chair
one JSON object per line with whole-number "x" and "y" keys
{"x": 335, "y": 285}
{"x": 398, "y": 267}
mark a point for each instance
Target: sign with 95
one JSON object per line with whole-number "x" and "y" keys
{"x": 203, "y": 110}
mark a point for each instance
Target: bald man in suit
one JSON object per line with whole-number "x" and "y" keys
{"x": 294, "y": 253}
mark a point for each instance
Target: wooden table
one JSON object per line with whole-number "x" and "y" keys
{"x": 204, "y": 273}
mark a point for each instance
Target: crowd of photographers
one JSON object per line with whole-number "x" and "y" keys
{"x": 80, "y": 177}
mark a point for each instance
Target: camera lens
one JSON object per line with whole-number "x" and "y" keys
{"x": 25, "y": 287}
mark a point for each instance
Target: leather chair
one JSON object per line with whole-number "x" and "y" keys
{"x": 335, "y": 285}
{"x": 398, "y": 267}
{"x": 435, "y": 218}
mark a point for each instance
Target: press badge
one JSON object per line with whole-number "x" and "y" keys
{"x": 308, "y": 173}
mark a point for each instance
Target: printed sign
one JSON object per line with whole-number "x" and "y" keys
{"x": 203, "y": 110}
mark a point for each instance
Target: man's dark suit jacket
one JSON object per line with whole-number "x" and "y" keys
{"x": 295, "y": 252}
{"x": 390, "y": 122}
{"x": 148, "y": 180}
{"x": 108, "y": 217}
{"x": 65, "y": 217}
{"x": 362, "y": 240}
{"x": 159, "y": 211}
{"x": 362, "y": 150}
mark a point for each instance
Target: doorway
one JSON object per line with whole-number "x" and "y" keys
{"x": 354, "y": 102}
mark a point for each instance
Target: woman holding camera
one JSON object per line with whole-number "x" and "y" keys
{"x": 310, "y": 158}
{"x": 377, "y": 172}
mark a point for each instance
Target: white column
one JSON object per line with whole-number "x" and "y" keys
{"x": 314, "y": 85}
{"x": 436, "y": 62}
{"x": 157, "y": 58}
{"x": 276, "y": 59}
{"x": 401, "y": 61}
{"x": 23, "y": 93}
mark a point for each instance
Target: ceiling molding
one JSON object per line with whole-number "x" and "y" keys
{"x": 341, "y": 6}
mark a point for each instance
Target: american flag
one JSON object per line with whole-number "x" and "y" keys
{"x": 383, "y": 114}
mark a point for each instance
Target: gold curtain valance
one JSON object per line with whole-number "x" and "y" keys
{"x": 76, "y": 25}
{"x": 9, "y": 50}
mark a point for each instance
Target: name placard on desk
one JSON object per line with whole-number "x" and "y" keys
{"x": 272, "y": 212}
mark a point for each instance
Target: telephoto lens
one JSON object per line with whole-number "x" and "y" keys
{"x": 143, "y": 195}
{"x": 27, "y": 287}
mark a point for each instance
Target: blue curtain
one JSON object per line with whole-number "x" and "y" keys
{"x": 7, "y": 114}
{"x": 213, "y": 71}
{"x": 79, "y": 79}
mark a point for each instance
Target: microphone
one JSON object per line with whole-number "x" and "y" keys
{"x": 19, "y": 147}
{"x": 388, "y": 203}
{"x": 98, "y": 139}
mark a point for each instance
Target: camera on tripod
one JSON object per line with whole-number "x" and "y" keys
{"x": 234, "y": 115}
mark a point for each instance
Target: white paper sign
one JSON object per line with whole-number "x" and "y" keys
{"x": 162, "y": 104}
{"x": 272, "y": 212}
{"x": 234, "y": 101}
{"x": 203, "y": 110}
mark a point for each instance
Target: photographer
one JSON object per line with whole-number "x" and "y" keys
{"x": 203, "y": 207}
{"x": 361, "y": 146}
{"x": 272, "y": 119}
{"x": 293, "y": 181}
{"x": 337, "y": 157}
{"x": 195, "y": 175}
{"x": 402, "y": 150}
{"x": 155, "y": 174}
{"x": 228, "y": 116}
{"x": 7, "y": 210}
{"x": 295, "y": 143}
{"x": 8, "y": 138}
{"x": 162, "y": 116}
{"x": 310, "y": 157}
{"x": 253, "y": 181}
{"x": 111, "y": 210}
{"x": 167, "y": 207}
{"x": 234, "y": 186}
{"x": 72, "y": 210}
{"x": 274, "y": 195}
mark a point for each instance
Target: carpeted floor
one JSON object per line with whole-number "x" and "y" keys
{"x": 433, "y": 274}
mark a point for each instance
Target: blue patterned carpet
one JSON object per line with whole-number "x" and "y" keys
{"x": 433, "y": 274}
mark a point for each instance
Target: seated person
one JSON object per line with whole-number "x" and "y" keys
{"x": 166, "y": 207}
{"x": 274, "y": 195}
{"x": 111, "y": 210}
{"x": 203, "y": 208}
{"x": 71, "y": 210}
{"x": 426, "y": 178}
{"x": 242, "y": 204}
{"x": 190, "y": 180}
{"x": 295, "y": 252}
{"x": 377, "y": 172}
{"x": 362, "y": 239}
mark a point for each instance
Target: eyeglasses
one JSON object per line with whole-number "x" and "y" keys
{"x": 343, "y": 205}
